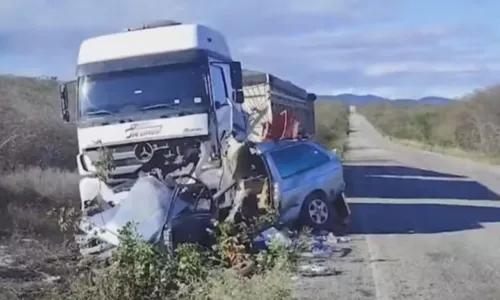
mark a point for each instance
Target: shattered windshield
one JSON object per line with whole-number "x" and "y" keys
{"x": 173, "y": 87}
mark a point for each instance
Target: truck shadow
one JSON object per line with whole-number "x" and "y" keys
{"x": 399, "y": 182}
{"x": 391, "y": 184}
{"x": 381, "y": 218}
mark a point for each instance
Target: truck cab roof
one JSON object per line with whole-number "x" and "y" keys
{"x": 172, "y": 37}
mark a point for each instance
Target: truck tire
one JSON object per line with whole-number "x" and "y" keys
{"x": 317, "y": 213}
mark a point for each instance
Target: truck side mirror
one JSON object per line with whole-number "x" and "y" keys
{"x": 311, "y": 97}
{"x": 236, "y": 75}
{"x": 63, "y": 94}
{"x": 239, "y": 97}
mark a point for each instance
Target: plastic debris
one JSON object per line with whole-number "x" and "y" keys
{"x": 314, "y": 270}
{"x": 321, "y": 246}
{"x": 263, "y": 239}
{"x": 343, "y": 239}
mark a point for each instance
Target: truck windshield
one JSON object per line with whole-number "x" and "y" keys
{"x": 174, "y": 87}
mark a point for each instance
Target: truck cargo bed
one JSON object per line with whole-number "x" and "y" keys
{"x": 275, "y": 106}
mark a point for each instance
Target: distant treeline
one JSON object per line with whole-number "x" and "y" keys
{"x": 472, "y": 123}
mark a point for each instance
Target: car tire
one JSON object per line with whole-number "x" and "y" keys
{"x": 342, "y": 214}
{"x": 317, "y": 213}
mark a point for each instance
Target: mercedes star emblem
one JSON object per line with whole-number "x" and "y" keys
{"x": 143, "y": 152}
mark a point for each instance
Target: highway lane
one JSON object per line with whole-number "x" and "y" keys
{"x": 425, "y": 226}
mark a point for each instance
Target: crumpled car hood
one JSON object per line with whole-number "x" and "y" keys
{"x": 146, "y": 205}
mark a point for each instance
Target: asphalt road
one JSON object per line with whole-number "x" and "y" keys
{"x": 425, "y": 226}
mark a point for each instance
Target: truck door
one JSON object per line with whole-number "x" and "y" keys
{"x": 222, "y": 105}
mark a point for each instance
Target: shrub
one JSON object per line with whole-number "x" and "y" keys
{"x": 138, "y": 270}
{"x": 332, "y": 125}
{"x": 472, "y": 123}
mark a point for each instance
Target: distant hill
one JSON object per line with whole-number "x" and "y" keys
{"x": 373, "y": 99}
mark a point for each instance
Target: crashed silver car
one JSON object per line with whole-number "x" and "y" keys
{"x": 301, "y": 179}
{"x": 307, "y": 183}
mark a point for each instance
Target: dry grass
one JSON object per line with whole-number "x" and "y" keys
{"x": 31, "y": 132}
{"x": 37, "y": 177}
{"x": 29, "y": 195}
{"x": 332, "y": 125}
{"x": 37, "y": 155}
{"x": 468, "y": 128}
{"x": 33, "y": 266}
{"x": 451, "y": 151}
{"x": 276, "y": 284}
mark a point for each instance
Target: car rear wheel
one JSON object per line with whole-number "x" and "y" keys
{"x": 316, "y": 212}
{"x": 343, "y": 213}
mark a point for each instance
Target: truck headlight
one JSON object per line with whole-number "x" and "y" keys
{"x": 87, "y": 163}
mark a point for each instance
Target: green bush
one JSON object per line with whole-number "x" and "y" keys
{"x": 138, "y": 270}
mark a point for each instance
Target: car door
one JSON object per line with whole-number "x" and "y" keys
{"x": 222, "y": 105}
{"x": 300, "y": 169}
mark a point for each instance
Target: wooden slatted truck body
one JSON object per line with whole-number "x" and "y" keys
{"x": 277, "y": 109}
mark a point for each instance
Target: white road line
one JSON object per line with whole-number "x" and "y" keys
{"x": 463, "y": 202}
{"x": 465, "y": 179}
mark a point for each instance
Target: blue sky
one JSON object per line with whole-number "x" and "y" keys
{"x": 392, "y": 48}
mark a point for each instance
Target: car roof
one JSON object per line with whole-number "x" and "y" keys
{"x": 265, "y": 147}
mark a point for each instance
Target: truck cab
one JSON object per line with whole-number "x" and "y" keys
{"x": 163, "y": 85}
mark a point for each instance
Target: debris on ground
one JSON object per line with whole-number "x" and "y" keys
{"x": 314, "y": 270}
{"x": 320, "y": 248}
{"x": 343, "y": 239}
{"x": 6, "y": 259}
{"x": 262, "y": 240}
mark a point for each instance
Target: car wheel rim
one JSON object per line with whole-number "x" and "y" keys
{"x": 318, "y": 211}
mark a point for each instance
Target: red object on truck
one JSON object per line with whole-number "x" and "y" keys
{"x": 283, "y": 127}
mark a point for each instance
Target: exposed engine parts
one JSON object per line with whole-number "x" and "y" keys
{"x": 169, "y": 155}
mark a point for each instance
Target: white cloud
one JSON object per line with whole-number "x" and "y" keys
{"x": 328, "y": 45}
{"x": 381, "y": 69}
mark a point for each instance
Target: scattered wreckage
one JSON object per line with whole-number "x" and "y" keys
{"x": 306, "y": 183}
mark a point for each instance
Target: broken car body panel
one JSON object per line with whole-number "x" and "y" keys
{"x": 150, "y": 205}
{"x": 149, "y": 216}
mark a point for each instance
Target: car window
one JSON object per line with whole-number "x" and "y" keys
{"x": 219, "y": 90}
{"x": 327, "y": 150}
{"x": 297, "y": 159}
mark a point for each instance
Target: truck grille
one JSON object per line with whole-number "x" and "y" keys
{"x": 125, "y": 159}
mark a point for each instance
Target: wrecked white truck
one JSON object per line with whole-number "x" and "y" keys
{"x": 166, "y": 100}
